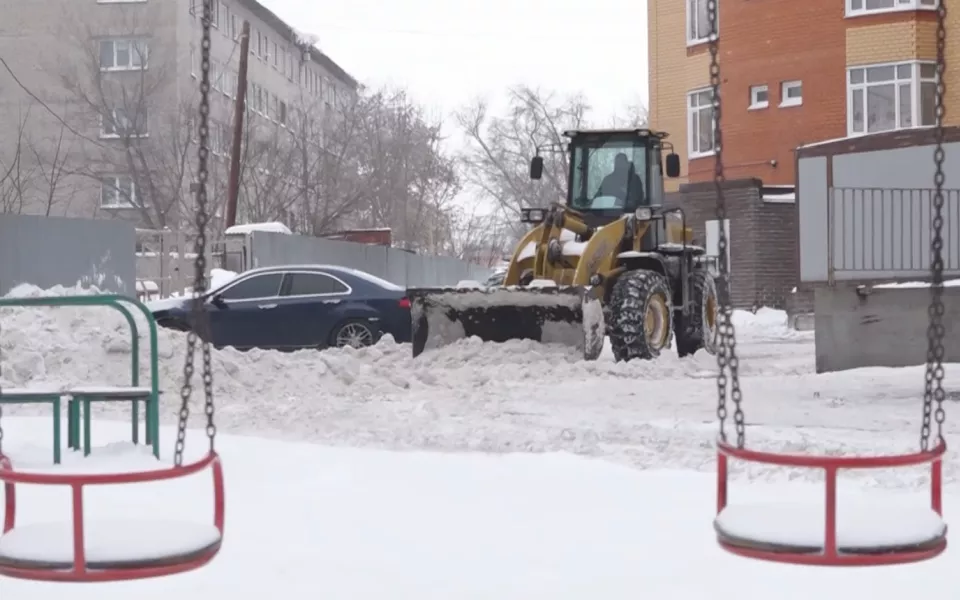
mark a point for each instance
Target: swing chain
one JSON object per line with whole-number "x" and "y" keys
{"x": 934, "y": 394}
{"x": 727, "y": 347}
{"x": 200, "y": 317}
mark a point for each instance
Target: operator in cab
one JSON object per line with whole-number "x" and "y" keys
{"x": 623, "y": 183}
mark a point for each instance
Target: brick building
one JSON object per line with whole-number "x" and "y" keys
{"x": 793, "y": 73}
{"x": 101, "y": 117}
{"x": 763, "y": 222}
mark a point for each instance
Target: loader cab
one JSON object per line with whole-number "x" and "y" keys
{"x": 615, "y": 172}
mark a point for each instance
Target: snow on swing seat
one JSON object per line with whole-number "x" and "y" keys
{"x": 800, "y": 528}
{"x": 108, "y": 544}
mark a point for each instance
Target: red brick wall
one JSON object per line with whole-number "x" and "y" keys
{"x": 764, "y": 43}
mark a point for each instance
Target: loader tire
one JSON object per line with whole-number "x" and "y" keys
{"x": 640, "y": 316}
{"x": 697, "y": 328}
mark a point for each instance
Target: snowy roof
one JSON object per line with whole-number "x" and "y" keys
{"x": 272, "y": 227}
{"x": 294, "y": 36}
{"x": 881, "y": 140}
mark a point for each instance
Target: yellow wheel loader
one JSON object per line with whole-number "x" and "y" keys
{"x": 610, "y": 262}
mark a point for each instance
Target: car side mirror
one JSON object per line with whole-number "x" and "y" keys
{"x": 536, "y": 167}
{"x": 673, "y": 165}
{"x": 217, "y": 300}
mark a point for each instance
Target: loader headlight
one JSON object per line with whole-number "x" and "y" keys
{"x": 644, "y": 213}
{"x": 532, "y": 215}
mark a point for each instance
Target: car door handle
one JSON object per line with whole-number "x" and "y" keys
{"x": 267, "y": 306}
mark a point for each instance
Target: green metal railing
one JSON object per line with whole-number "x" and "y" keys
{"x": 119, "y": 303}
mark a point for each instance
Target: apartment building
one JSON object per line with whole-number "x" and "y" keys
{"x": 104, "y": 114}
{"x": 793, "y": 73}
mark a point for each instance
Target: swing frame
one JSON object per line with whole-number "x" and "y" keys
{"x": 831, "y": 555}
{"x": 80, "y": 571}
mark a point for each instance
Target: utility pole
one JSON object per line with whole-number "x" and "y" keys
{"x": 233, "y": 185}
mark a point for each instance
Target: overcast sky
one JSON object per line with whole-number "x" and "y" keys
{"x": 447, "y": 52}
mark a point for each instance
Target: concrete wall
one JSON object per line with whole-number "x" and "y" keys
{"x": 402, "y": 268}
{"x": 867, "y": 215}
{"x": 50, "y": 251}
{"x": 886, "y": 328}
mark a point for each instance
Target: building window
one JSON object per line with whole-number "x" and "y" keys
{"x": 118, "y": 192}
{"x": 866, "y": 7}
{"x": 791, "y": 93}
{"x": 892, "y": 96}
{"x": 698, "y": 21}
{"x": 276, "y": 56}
{"x": 700, "y": 123}
{"x": 124, "y": 123}
{"x": 123, "y": 55}
{"x": 235, "y": 28}
{"x": 759, "y": 96}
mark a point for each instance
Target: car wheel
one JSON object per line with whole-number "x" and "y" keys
{"x": 357, "y": 334}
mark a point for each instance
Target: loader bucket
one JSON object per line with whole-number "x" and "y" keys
{"x": 553, "y": 315}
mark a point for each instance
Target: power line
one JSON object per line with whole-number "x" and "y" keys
{"x": 47, "y": 108}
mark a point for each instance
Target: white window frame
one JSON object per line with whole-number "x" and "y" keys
{"x": 136, "y": 47}
{"x": 785, "y": 100}
{"x": 113, "y": 182}
{"x": 693, "y": 150}
{"x": 755, "y": 102}
{"x": 915, "y": 82}
{"x": 856, "y": 8}
{"x": 117, "y": 133}
{"x": 696, "y": 37}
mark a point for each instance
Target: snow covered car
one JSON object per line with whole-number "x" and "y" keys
{"x": 297, "y": 307}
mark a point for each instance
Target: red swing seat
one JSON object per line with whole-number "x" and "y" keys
{"x": 774, "y": 532}
{"x": 78, "y": 551}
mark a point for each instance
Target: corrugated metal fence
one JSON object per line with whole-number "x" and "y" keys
{"x": 51, "y": 251}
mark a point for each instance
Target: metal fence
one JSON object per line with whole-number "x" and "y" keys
{"x": 116, "y": 257}
{"x": 51, "y": 251}
{"x": 885, "y": 233}
{"x": 398, "y": 266}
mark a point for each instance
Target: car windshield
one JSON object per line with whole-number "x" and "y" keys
{"x": 610, "y": 176}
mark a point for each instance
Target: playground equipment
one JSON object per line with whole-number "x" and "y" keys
{"x": 81, "y": 398}
{"x": 770, "y": 532}
{"x": 85, "y": 550}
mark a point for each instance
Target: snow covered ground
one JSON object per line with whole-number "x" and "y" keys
{"x": 306, "y": 521}
{"x": 498, "y": 521}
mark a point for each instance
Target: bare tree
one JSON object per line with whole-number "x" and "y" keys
{"x": 495, "y": 163}
{"x": 473, "y": 236}
{"x": 17, "y": 173}
{"x": 56, "y": 157}
{"x": 412, "y": 180}
{"x": 142, "y": 155}
{"x": 496, "y": 160}
{"x": 374, "y": 160}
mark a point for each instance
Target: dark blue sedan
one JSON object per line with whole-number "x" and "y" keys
{"x": 296, "y": 307}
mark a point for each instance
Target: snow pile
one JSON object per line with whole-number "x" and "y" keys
{"x": 767, "y": 324}
{"x": 517, "y": 396}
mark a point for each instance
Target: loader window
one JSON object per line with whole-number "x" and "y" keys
{"x": 611, "y": 176}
